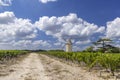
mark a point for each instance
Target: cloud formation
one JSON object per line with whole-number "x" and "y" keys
{"x": 46, "y": 1}
{"x": 83, "y": 42}
{"x": 69, "y": 26}
{"x": 7, "y": 17}
{"x": 29, "y": 44}
{"x": 5, "y": 2}
{"x": 113, "y": 29}
{"x": 15, "y": 28}
{"x": 26, "y": 44}
{"x": 19, "y": 33}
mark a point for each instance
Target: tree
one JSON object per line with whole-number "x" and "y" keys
{"x": 103, "y": 42}
{"x": 112, "y": 49}
{"x": 89, "y": 49}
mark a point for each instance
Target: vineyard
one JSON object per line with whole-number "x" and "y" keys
{"x": 52, "y": 65}
{"x": 8, "y": 54}
{"x": 107, "y": 61}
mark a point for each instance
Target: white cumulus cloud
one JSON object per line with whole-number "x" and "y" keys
{"x": 82, "y": 42}
{"x": 46, "y": 1}
{"x": 113, "y": 29}
{"x": 26, "y": 44}
{"x": 13, "y": 28}
{"x": 19, "y": 33}
{"x": 7, "y": 17}
{"x": 5, "y": 2}
{"x": 69, "y": 26}
{"x": 29, "y": 44}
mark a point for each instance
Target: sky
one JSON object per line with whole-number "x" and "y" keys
{"x": 47, "y": 24}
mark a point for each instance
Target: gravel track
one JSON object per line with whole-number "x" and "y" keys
{"x": 41, "y": 67}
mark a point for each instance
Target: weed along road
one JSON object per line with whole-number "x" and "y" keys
{"x": 41, "y": 67}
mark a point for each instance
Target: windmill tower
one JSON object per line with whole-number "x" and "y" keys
{"x": 69, "y": 46}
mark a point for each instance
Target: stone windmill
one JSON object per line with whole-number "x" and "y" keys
{"x": 68, "y": 46}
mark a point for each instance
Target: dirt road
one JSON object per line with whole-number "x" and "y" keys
{"x": 29, "y": 69}
{"x": 42, "y": 67}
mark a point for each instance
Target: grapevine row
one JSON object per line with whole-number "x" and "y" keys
{"x": 8, "y": 54}
{"x": 110, "y": 62}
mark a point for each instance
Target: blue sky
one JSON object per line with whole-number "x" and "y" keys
{"x": 42, "y": 24}
{"x": 94, "y": 11}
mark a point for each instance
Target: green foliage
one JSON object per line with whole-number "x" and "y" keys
{"x": 114, "y": 50}
{"x": 109, "y": 61}
{"x": 103, "y": 42}
{"x": 56, "y": 50}
{"x": 8, "y": 54}
{"x": 89, "y": 49}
